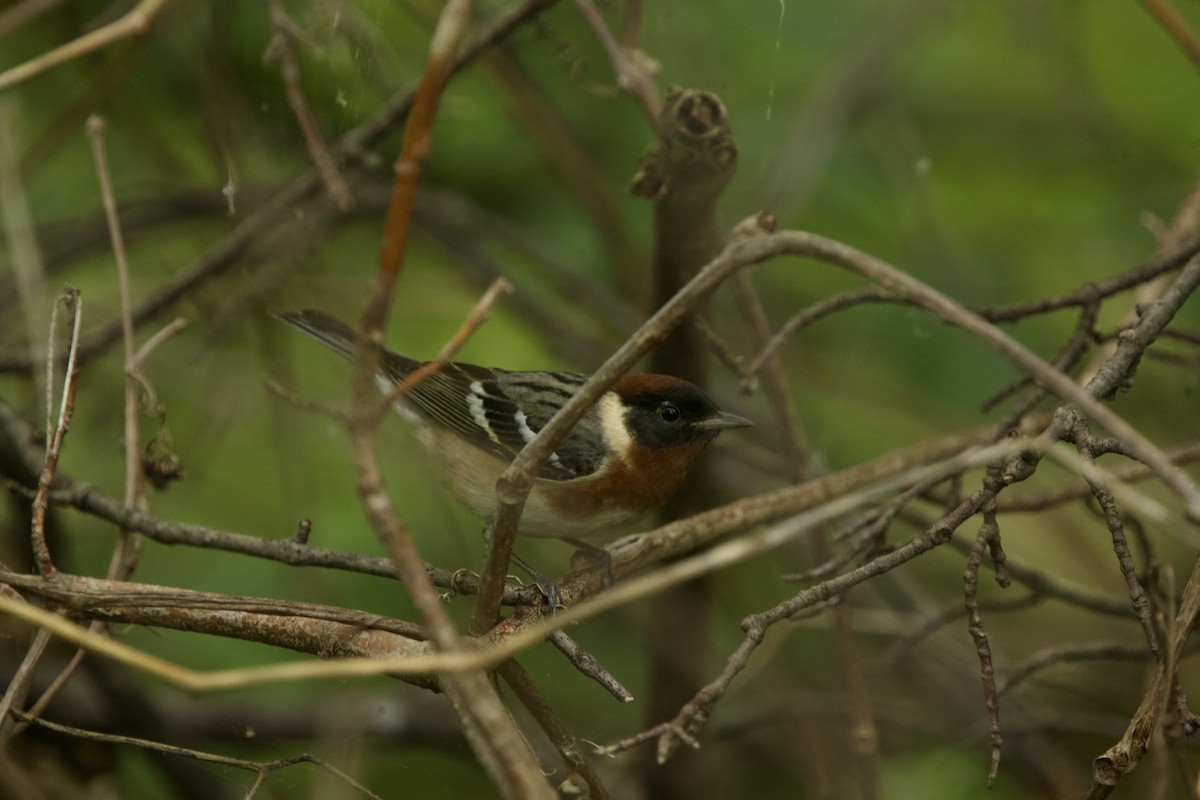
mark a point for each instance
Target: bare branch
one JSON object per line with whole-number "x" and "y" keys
{"x": 280, "y": 49}
{"x": 263, "y": 768}
{"x": 134, "y": 23}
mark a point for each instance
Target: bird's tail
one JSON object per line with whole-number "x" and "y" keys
{"x": 333, "y": 333}
{"x": 341, "y": 339}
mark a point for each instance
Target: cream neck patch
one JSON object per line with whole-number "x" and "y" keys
{"x": 612, "y": 420}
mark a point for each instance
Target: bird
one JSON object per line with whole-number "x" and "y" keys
{"x": 626, "y": 457}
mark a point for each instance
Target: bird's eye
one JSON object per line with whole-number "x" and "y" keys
{"x": 669, "y": 413}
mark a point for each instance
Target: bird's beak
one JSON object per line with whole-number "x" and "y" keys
{"x": 721, "y": 421}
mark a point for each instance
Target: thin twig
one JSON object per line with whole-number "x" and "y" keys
{"x": 280, "y": 49}
{"x": 588, "y": 664}
{"x": 151, "y": 344}
{"x": 1098, "y": 289}
{"x": 514, "y": 634}
{"x": 1175, "y": 25}
{"x": 124, "y": 554}
{"x": 634, "y": 69}
{"x": 1128, "y": 472}
{"x": 18, "y": 686}
{"x": 817, "y": 311}
{"x": 286, "y": 550}
{"x": 692, "y": 717}
{"x": 1123, "y": 757}
{"x": 552, "y": 725}
{"x": 41, "y": 553}
{"x": 1069, "y": 653}
{"x": 261, "y": 767}
{"x": 475, "y": 317}
{"x": 989, "y": 532}
{"x": 137, "y": 603}
{"x": 134, "y": 23}
{"x": 514, "y": 486}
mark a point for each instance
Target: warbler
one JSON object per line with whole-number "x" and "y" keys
{"x": 624, "y": 458}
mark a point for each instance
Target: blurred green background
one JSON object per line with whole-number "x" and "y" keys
{"x": 1001, "y": 152}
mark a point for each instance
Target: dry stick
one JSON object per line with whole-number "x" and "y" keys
{"x": 1128, "y": 472}
{"x": 514, "y": 486}
{"x": 692, "y": 717}
{"x": 639, "y": 551}
{"x": 1123, "y": 757}
{"x": 759, "y": 249}
{"x": 864, "y": 739}
{"x": 125, "y": 553}
{"x": 151, "y": 344}
{"x": 535, "y": 624}
{"x": 1175, "y": 25}
{"x": 135, "y": 23}
{"x": 493, "y": 734}
{"x": 1066, "y": 654}
{"x": 808, "y": 316}
{"x": 1182, "y": 227}
{"x": 280, "y": 49}
{"x": 987, "y": 539}
{"x": 364, "y": 414}
{"x": 41, "y": 553}
{"x": 1142, "y": 608}
{"x": 1084, "y": 398}
{"x": 262, "y": 767}
{"x": 475, "y": 317}
{"x": 310, "y": 628}
{"x": 808, "y": 244}
{"x": 1091, "y": 291}
{"x": 134, "y": 603}
{"x": 90, "y": 500}
{"x": 1069, "y": 426}
{"x": 134, "y": 478}
{"x": 552, "y": 725}
{"x": 588, "y": 664}
{"x": 19, "y": 685}
{"x": 635, "y": 71}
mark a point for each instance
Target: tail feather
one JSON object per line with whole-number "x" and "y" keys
{"x": 333, "y": 333}
{"x": 342, "y": 339}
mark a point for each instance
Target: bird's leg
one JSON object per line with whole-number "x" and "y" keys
{"x": 549, "y": 588}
